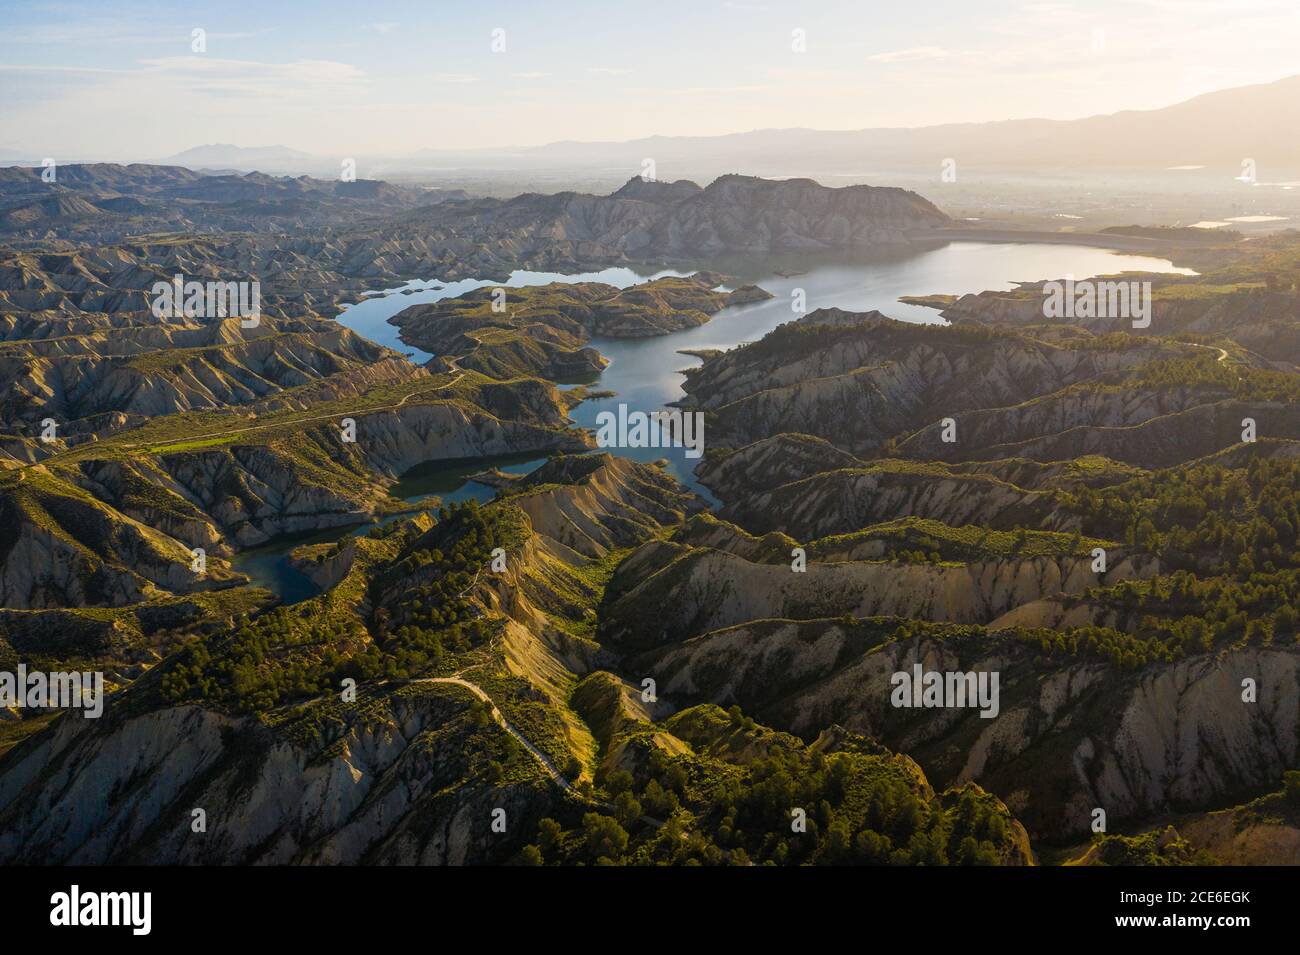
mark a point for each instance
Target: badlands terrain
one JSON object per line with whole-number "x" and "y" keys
{"x": 595, "y": 665}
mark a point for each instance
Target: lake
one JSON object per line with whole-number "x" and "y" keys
{"x": 646, "y": 372}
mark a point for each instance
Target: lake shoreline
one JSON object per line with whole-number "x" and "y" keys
{"x": 645, "y": 373}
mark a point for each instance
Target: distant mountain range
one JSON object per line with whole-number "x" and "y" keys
{"x": 1217, "y": 131}
{"x": 226, "y": 156}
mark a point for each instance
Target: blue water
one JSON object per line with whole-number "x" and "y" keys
{"x": 369, "y": 317}
{"x": 646, "y": 373}
{"x": 450, "y": 480}
{"x": 268, "y": 565}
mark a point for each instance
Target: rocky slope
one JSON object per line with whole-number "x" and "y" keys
{"x": 96, "y": 201}
{"x": 404, "y": 780}
{"x": 112, "y": 523}
{"x": 887, "y": 378}
{"x": 1070, "y": 736}
{"x": 416, "y": 772}
{"x": 410, "y": 774}
{"x": 655, "y": 222}
{"x": 847, "y": 499}
{"x": 1095, "y": 530}
{"x": 202, "y": 374}
{"x": 698, "y": 590}
{"x": 61, "y": 547}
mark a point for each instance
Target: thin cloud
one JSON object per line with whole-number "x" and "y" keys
{"x": 250, "y": 76}
{"x": 34, "y": 68}
{"x": 696, "y": 90}
{"x": 101, "y": 32}
{"x": 911, "y": 54}
{"x": 206, "y": 75}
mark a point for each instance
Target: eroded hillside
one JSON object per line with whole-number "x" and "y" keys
{"x": 1098, "y": 524}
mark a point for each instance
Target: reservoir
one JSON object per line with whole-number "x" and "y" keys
{"x": 646, "y": 373}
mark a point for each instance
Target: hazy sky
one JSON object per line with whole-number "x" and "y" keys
{"x": 115, "y": 80}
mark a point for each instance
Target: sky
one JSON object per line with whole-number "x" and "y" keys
{"x": 112, "y": 79}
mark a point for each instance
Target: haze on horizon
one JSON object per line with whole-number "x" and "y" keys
{"x": 118, "y": 80}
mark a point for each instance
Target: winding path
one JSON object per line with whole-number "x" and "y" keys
{"x": 1223, "y": 352}
{"x": 506, "y": 725}
{"x": 556, "y": 776}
